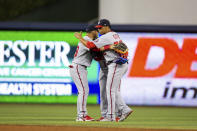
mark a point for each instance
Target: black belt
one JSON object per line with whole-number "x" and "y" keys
{"x": 109, "y": 62}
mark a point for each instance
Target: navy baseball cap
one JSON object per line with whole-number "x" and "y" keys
{"x": 90, "y": 28}
{"x": 103, "y": 22}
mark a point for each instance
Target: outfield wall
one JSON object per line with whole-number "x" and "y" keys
{"x": 34, "y": 68}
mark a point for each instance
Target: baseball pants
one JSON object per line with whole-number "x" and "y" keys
{"x": 79, "y": 76}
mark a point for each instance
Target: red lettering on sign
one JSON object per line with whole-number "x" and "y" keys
{"x": 187, "y": 56}
{"x": 183, "y": 58}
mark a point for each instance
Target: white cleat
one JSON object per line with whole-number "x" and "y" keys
{"x": 79, "y": 119}
{"x": 124, "y": 116}
{"x": 107, "y": 119}
{"x": 86, "y": 118}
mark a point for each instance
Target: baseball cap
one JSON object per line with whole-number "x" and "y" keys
{"x": 90, "y": 28}
{"x": 103, "y": 22}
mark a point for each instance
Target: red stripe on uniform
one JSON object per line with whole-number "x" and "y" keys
{"x": 83, "y": 88}
{"x": 119, "y": 86}
{"x": 111, "y": 87}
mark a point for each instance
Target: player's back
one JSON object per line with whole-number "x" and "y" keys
{"x": 82, "y": 55}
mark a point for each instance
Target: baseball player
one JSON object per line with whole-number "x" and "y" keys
{"x": 103, "y": 97}
{"x": 115, "y": 70}
{"x": 82, "y": 60}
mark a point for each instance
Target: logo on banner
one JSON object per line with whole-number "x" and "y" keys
{"x": 179, "y": 91}
{"x": 182, "y": 58}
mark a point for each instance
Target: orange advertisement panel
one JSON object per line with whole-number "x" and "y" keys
{"x": 162, "y": 69}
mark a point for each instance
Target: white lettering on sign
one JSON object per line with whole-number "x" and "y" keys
{"x": 35, "y": 89}
{"x": 18, "y": 53}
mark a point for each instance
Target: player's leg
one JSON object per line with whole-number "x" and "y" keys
{"x": 103, "y": 96}
{"x": 83, "y": 90}
{"x": 119, "y": 103}
{"x": 113, "y": 79}
{"x": 123, "y": 110}
{"x": 79, "y": 76}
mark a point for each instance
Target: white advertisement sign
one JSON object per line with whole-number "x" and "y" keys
{"x": 162, "y": 69}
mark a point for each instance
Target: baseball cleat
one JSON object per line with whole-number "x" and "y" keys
{"x": 101, "y": 118}
{"x": 107, "y": 119}
{"x": 124, "y": 116}
{"x": 79, "y": 119}
{"x": 86, "y": 118}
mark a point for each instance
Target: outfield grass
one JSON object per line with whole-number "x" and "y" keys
{"x": 143, "y": 117}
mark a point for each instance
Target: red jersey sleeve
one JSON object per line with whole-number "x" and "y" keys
{"x": 90, "y": 45}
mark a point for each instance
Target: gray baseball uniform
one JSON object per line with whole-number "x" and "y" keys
{"x": 115, "y": 73}
{"x": 82, "y": 60}
{"x": 102, "y": 83}
{"x": 120, "y": 104}
{"x": 103, "y": 96}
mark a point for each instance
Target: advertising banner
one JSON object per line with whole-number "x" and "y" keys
{"x": 162, "y": 69}
{"x": 34, "y": 63}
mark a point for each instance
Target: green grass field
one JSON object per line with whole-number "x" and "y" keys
{"x": 54, "y": 114}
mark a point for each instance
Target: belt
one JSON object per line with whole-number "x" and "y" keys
{"x": 109, "y": 62}
{"x": 71, "y": 66}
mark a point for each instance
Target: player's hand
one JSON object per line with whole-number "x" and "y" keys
{"x": 111, "y": 47}
{"x": 78, "y": 35}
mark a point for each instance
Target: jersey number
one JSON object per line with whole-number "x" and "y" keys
{"x": 116, "y": 36}
{"x": 76, "y": 52}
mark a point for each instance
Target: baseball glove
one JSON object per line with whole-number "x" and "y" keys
{"x": 120, "y": 48}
